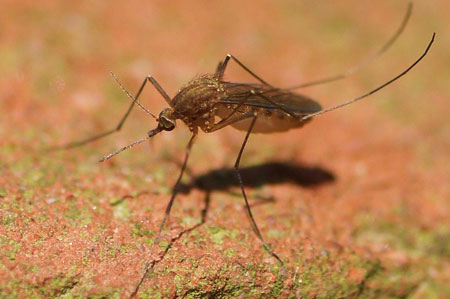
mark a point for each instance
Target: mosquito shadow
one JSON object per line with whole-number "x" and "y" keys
{"x": 253, "y": 176}
{"x": 270, "y": 173}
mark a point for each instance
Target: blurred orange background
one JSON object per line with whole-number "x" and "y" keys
{"x": 70, "y": 225}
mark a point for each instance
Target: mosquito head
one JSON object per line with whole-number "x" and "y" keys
{"x": 166, "y": 122}
{"x": 167, "y": 119}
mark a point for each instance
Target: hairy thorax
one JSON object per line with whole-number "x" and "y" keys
{"x": 195, "y": 102}
{"x": 197, "y": 97}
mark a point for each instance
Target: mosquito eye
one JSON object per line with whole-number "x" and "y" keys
{"x": 167, "y": 124}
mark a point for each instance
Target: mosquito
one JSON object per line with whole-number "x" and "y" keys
{"x": 251, "y": 107}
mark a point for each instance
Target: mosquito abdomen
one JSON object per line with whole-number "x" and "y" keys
{"x": 268, "y": 120}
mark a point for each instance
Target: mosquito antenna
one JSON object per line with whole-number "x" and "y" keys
{"x": 149, "y": 135}
{"x": 366, "y": 61}
{"x": 131, "y": 96}
{"x": 376, "y": 89}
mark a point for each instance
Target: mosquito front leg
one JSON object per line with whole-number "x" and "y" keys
{"x": 249, "y": 211}
{"x": 175, "y": 188}
{"x": 123, "y": 119}
{"x": 147, "y": 264}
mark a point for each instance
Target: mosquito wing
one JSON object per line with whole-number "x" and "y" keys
{"x": 272, "y": 99}
{"x": 278, "y": 110}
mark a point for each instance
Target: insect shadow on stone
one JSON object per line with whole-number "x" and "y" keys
{"x": 251, "y": 107}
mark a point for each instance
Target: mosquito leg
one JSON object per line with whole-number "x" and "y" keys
{"x": 229, "y": 120}
{"x": 160, "y": 89}
{"x": 122, "y": 120}
{"x": 249, "y": 211}
{"x": 306, "y": 117}
{"x": 222, "y": 66}
{"x": 166, "y": 213}
{"x": 171, "y": 159}
{"x": 175, "y": 188}
{"x": 219, "y": 74}
{"x": 219, "y": 70}
{"x": 206, "y": 208}
{"x": 277, "y": 105}
{"x": 266, "y": 98}
{"x": 366, "y": 61}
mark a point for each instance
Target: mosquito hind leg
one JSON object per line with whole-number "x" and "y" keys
{"x": 386, "y": 46}
{"x": 230, "y": 120}
{"x": 249, "y": 211}
{"x": 351, "y": 101}
{"x": 222, "y": 65}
